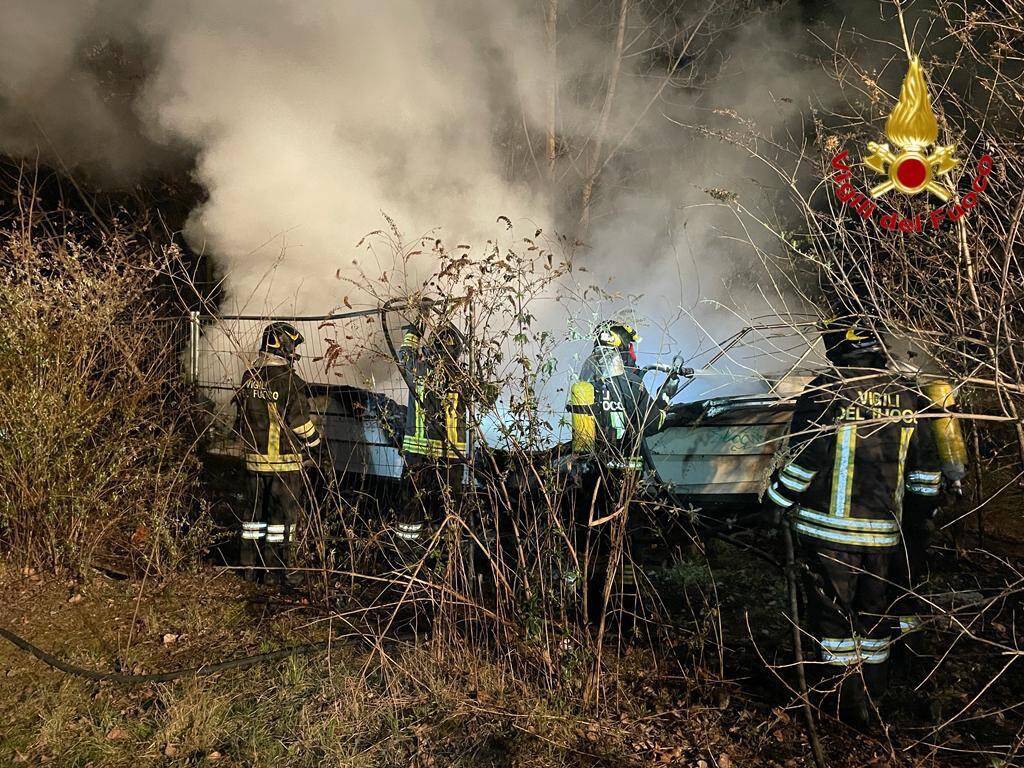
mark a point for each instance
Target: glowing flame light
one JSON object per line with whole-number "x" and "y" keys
{"x": 912, "y": 124}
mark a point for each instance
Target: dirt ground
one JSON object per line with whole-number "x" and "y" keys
{"x": 411, "y": 703}
{"x": 713, "y": 701}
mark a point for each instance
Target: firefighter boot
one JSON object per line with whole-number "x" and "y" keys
{"x": 853, "y": 704}
{"x": 292, "y": 578}
{"x": 281, "y": 546}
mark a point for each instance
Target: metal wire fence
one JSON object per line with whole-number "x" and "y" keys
{"x": 357, "y": 394}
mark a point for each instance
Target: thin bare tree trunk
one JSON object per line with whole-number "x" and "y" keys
{"x": 594, "y": 162}
{"x": 551, "y": 37}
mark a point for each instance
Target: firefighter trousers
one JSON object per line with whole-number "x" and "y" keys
{"x": 596, "y": 545}
{"x": 270, "y": 524}
{"x": 847, "y": 601}
{"x": 431, "y": 489}
{"x": 909, "y": 574}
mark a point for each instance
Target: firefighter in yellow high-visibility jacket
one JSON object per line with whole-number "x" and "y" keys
{"x": 277, "y": 435}
{"x": 434, "y": 444}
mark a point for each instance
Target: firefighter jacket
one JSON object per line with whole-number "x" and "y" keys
{"x": 856, "y": 453}
{"x": 435, "y": 422}
{"x": 612, "y": 411}
{"x": 273, "y": 417}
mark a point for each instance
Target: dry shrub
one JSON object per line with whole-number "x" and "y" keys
{"x": 95, "y": 459}
{"x": 500, "y": 573}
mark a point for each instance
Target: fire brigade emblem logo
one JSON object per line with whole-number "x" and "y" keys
{"x": 913, "y": 129}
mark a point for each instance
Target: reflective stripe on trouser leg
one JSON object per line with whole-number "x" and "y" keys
{"x": 628, "y": 574}
{"x": 909, "y": 624}
{"x": 276, "y": 533}
{"x": 409, "y": 531}
{"x": 253, "y": 531}
{"x": 849, "y": 651}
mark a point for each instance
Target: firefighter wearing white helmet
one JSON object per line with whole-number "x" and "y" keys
{"x": 612, "y": 412}
{"x": 612, "y": 409}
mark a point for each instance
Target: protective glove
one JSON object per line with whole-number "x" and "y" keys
{"x": 670, "y": 388}
{"x": 579, "y": 468}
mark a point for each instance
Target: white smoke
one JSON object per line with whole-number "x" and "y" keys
{"x": 310, "y": 119}
{"x": 306, "y": 120}
{"x": 684, "y": 237}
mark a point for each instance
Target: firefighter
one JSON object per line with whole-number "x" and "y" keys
{"x": 434, "y": 444}
{"x": 277, "y": 437}
{"x": 856, "y": 454}
{"x": 612, "y": 412}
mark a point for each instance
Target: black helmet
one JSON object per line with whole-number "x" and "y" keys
{"x": 448, "y": 340}
{"x": 852, "y": 340}
{"x": 281, "y": 339}
{"x": 620, "y": 336}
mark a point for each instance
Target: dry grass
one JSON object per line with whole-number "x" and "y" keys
{"x": 413, "y": 706}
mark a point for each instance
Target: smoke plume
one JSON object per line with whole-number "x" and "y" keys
{"x": 304, "y": 121}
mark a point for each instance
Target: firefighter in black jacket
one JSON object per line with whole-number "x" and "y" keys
{"x": 856, "y": 454}
{"x": 616, "y": 410}
{"x": 434, "y": 444}
{"x": 612, "y": 412}
{"x": 277, "y": 435}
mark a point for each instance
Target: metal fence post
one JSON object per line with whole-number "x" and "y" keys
{"x": 193, "y": 348}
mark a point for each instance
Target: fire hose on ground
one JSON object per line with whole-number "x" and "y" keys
{"x": 206, "y": 670}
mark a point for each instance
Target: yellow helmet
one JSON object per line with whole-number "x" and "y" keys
{"x": 617, "y": 335}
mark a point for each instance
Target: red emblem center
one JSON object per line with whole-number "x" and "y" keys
{"x": 911, "y": 173}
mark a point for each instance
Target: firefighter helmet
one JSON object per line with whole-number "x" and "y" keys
{"x": 618, "y": 335}
{"x": 849, "y": 339}
{"x": 281, "y": 339}
{"x": 448, "y": 340}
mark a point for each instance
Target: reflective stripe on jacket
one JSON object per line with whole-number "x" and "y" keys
{"x": 856, "y": 453}
{"x": 273, "y": 420}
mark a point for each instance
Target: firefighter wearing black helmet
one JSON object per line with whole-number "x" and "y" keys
{"x": 858, "y": 462}
{"x": 434, "y": 443}
{"x": 612, "y": 412}
{"x": 277, "y": 436}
